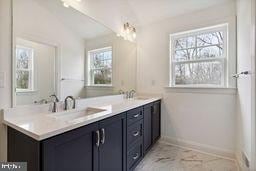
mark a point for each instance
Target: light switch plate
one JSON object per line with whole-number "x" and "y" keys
{"x": 2, "y": 79}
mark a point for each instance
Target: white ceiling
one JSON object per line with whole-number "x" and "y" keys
{"x": 147, "y": 11}
{"x": 79, "y": 23}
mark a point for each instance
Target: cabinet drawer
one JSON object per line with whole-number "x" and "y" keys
{"x": 134, "y": 156}
{"x": 134, "y": 132}
{"x": 134, "y": 115}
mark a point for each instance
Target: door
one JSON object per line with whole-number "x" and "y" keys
{"x": 147, "y": 127}
{"x": 74, "y": 150}
{"x": 112, "y": 149}
{"x": 156, "y": 119}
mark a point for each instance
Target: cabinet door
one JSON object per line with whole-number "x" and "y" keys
{"x": 74, "y": 150}
{"x": 112, "y": 150}
{"x": 156, "y": 121}
{"x": 147, "y": 127}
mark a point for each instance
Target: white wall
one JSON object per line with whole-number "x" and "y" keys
{"x": 5, "y": 66}
{"x": 34, "y": 22}
{"x": 246, "y": 89}
{"x": 124, "y": 64}
{"x": 44, "y": 79}
{"x": 201, "y": 117}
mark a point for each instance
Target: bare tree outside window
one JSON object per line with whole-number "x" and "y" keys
{"x": 198, "y": 58}
{"x": 100, "y": 66}
{"x": 24, "y": 69}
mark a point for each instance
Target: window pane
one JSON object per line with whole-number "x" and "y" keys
{"x": 22, "y": 58}
{"x": 100, "y": 67}
{"x": 108, "y": 55}
{"x": 210, "y": 52}
{"x": 22, "y": 78}
{"x": 183, "y": 43}
{"x": 97, "y": 61}
{"x": 183, "y": 55}
{"x": 199, "y": 73}
{"x": 102, "y": 60}
{"x": 210, "y": 39}
{"x": 102, "y": 76}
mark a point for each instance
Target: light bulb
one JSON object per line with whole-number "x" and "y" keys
{"x": 65, "y": 4}
{"x": 134, "y": 35}
{"x": 127, "y": 30}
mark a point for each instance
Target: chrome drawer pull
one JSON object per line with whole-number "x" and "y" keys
{"x": 103, "y": 136}
{"x": 135, "y": 116}
{"x": 136, "y": 156}
{"x": 135, "y": 134}
{"x": 98, "y": 138}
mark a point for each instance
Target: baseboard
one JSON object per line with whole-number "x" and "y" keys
{"x": 241, "y": 164}
{"x": 199, "y": 147}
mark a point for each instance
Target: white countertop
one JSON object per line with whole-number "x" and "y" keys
{"x": 41, "y": 126}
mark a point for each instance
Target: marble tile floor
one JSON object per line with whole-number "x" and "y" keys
{"x": 165, "y": 157}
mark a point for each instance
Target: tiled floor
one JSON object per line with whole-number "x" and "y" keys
{"x": 165, "y": 157}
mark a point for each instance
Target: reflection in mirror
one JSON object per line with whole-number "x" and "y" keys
{"x": 35, "y": 71}
{"x": 61, "y": 51}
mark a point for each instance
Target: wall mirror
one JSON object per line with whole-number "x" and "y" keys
{"x": 59, "y": 50}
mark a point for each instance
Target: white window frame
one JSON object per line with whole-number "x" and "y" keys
{"x": 89, "y": 66}
{"x": 224, "y": 58}
{"x": 30, "y": 70}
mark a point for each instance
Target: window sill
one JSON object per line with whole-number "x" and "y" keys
{"x": 202, "y": 90}
{"x": 99, "y": 86}
{"x": 26, "y": 92}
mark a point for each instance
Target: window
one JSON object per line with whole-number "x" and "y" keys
{"x": 100, "y": 67}
{"x": 199, "y": 58}
{"x": 24, "y": 69}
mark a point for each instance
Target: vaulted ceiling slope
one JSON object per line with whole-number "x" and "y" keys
{"x": 147, "y": 11}
{"x": 82, "y": 25}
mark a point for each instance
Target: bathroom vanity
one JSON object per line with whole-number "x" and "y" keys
{"x": 71, "y": 56}
{"x": 104, "y": 137}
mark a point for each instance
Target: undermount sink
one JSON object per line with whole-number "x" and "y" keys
{"x": 73, "y": 115}
{"x": 141, "y": 98}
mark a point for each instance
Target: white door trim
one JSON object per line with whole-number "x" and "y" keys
{"x": 253, "y": 55}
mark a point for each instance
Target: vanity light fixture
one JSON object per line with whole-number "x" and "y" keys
{"x": 128, "y": 32}
{"x": 66, "y": 3}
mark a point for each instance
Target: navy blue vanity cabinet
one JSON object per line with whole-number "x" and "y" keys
{"x": 73, "y": 150}
{"x": 112, "y": 149}
{"x": 156, "y": 121}
{"x": 98, "y": 147}
{"x": 22, "y": 148}
{"x": 152, "y": 125}
{"x": 117, "y": 143}
{"x": 134, "y": 137}
{"x": 148, "y": 140}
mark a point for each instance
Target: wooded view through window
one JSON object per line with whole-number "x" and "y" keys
{"x": 198, "y": 58}
{"x": 24, "y": 69}
{"x": 100, "y": 66}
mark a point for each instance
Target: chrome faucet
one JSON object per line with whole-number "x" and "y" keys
{"x": 55, "y": 101}
{"x": 121, "y": 92}
{"x": 131, "y": 93}
{"x": 66, "y": 102}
